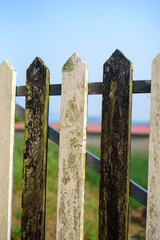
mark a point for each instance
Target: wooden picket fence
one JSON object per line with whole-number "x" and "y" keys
{"x": 115, "y": 185}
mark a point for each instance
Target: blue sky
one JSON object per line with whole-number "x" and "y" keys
{"x": 54, "y": 30}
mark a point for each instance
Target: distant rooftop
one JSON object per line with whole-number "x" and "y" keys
{"x": 93, "y": 128}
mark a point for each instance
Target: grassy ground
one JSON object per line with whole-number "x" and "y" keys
{"x": 138, "y": 174}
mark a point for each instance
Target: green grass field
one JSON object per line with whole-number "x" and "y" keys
{"x": 138, "y": 173}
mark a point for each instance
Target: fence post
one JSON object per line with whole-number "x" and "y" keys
{"x": 35, "y": 152}
{"x": 72, "y": 150}
{"x": 153, "y": 202}
{"x": 7, "y": 118}
{"x": 115, "y": 148}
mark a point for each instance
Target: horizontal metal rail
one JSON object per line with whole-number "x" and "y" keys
{"x": 143, "y": 86}
{"x": 136, "y": 191}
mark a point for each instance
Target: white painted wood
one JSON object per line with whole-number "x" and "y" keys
{"x": 153, "y": 203}
{"x": 71, "y": 179}
{"x": 7, "y": 118}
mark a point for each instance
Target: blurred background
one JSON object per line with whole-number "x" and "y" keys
{"x": 54, "y": 30}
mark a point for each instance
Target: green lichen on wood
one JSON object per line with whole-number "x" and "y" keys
{"x": 115, "y": 148}
{"x": 35, "y": 151}
{"x": 68, "y": 66}
{"x": 70, "y": 214}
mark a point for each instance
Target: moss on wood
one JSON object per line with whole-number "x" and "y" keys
{"x": 35, "y": 151}
{"x": 115, "y": 148}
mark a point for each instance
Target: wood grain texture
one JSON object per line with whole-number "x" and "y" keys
{"x": 153, "y": 202}
{"x": 136, "y": 191}
{"x": 7, "y": 118}
{"x": 35, "y": 152}
{"x": 115, "y": 148}
{"x": 72, "y": 150}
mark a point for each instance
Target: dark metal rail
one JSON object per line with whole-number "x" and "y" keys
{"x": 136, "y": 191}
{"x": 142, "y": 86}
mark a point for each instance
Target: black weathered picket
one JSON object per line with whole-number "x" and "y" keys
{"x": 35, "y": 152}
{"x": 115, "y": 148}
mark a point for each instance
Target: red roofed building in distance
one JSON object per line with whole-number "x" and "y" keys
{"x": 95, "y": 129}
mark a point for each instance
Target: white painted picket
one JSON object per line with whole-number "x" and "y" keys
{"x": 7, "y": 110}
{"x": 72, "y": 150}
{"x": 153, "y": 203}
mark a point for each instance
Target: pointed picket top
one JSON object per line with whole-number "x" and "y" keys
{"x": 7, "y": 109}
{"x": 72, "y": 149}
{"x": 118, "y": 57}
{"x": 35, "y": 151}
{"x": 115, "y": 147}
{"x": 37, "y": 62}
{"x": 156, "y": 66}
{"x": 118, "y": 54}
{"x": 37, "y": 68}
{"x": 6, "y": 67}
{"x": 156, "y": 58}
{"x": 72, "y": 62}
{"x": 153, "y": 206}
{"x": 7, "y": 64}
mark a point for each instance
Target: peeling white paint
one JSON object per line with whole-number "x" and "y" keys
{"x": 153, "y": 204}
{"x": 7, "y": 119}
{"x": 72, "y": 149}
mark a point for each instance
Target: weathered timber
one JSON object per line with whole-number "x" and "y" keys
{"x": 35, "y": 152}
{"x": 72, "y": 150}
{"x": 153, "y": 203}
{"x": 136, "y": 191}
{"x": 115, "y": 148}
{"x": 7, "y": 118}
